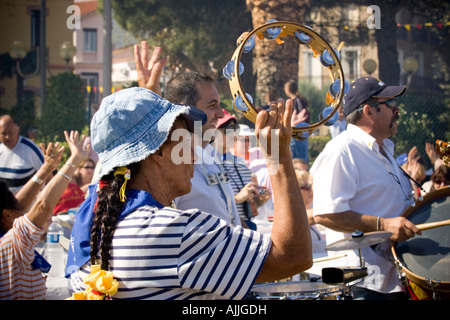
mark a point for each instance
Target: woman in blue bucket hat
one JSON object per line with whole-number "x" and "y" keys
{"x": 127, "y": 229}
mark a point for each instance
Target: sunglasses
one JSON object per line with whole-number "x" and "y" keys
{"x": 439, "y": 181}
{"x": 87, "y": 167}
{"x": 391, "y": 104}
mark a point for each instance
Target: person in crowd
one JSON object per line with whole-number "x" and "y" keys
{"x": 75, "y": 192}
{"x": 305, "y": 182}
{"x": 247, "y": 194}
{"x": 158, "y": 252}
{"x": 359, "y": 186}
{"x": 414, "y": 168}
{"x": 84, "y": 174}
{"x": 21, "y": 275}
{"x": 339, "y": 125}
{"x": 439, "y": 179}
{"x": 300, "y": 164}
{"x": 299, "y": 148}
{"x": 20, "y": 157}
{"x": 243, "y": 144}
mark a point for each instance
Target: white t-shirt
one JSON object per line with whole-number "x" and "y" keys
{"x": 170, "y": 254}
{"x": 352, "y": 174}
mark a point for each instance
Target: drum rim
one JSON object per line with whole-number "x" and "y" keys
{"x": 444, "y": 286}
{"x": 329, "y": 288}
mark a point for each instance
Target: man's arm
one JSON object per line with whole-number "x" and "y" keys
{"x": 401, "y": 228}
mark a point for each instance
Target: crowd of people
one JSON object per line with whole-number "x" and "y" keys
{"x": 213, "y": 226}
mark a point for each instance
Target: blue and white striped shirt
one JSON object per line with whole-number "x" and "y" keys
{"x": 171, "y": 254}
{"x": 19, "y": 164}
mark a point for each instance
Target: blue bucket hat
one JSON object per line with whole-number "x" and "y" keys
{"x": 366, "y": 88}
{"x": 132, "y": 124}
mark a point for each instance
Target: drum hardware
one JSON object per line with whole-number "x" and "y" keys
{"x": 433, "y": 284}
{"x": 346, "y": 277}
{"x": 350, "y": 276}
{"x": 359, "y": 240}
{"x": 343, "y": 275}
{"x": 423, "y": 262}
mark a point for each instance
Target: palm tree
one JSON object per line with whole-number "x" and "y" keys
{"x": 275, "y": 64}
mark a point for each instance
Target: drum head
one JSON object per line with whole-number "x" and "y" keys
{"x": 428, "y": 255}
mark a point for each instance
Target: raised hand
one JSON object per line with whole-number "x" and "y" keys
{"x": 52, "y": 155}
{"x": 273, "y": 128}
{"x": 76, "y": 143}
{"x": 148, "y": 69}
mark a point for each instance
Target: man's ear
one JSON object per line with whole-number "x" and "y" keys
{"x": 367, "y": 111}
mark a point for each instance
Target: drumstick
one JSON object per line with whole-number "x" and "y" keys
{"x": 328, "y": 258}
{"x": 430, "y": 225}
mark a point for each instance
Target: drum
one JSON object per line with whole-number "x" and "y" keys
{"x": 295, "y": 290}
{"x": 424, "y": 261}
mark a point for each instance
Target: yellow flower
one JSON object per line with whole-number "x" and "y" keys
{"x": 100, "y": 283}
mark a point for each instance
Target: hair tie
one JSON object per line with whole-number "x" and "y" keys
{"x": 101, "y": 184}
{"x": 127, "y": 175}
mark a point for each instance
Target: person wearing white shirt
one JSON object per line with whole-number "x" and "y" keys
{"x": 359, "y": 186}
{"x": 20, "y": 157}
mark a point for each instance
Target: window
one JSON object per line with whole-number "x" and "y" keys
{"x": 350, "y": 63}
{"x": 90, "y": 40}
{"x": 312, "y": 69}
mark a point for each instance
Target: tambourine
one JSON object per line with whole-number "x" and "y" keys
{"x": 274, "y": 31}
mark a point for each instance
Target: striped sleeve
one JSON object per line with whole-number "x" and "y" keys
{"x": 217, "y": 258}
{"x": 26, "y": 236}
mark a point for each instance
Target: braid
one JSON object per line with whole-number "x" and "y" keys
{"x": 108, "y": 221}
{"x": 109, "y": 207}
{"x": 108, "y": 210}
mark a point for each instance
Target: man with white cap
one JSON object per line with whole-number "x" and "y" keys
{"x": 359, "y": 186}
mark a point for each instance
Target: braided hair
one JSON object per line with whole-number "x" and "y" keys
{"x": 109, "y": 207}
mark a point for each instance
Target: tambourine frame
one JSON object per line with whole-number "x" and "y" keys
{"x": 317, "y": 44}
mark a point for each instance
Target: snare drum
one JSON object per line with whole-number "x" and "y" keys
{"x": 424, "y": 261}
{"x": 295, "y": 290}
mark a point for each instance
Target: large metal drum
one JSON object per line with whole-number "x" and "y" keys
{"x": 424, "y": 261}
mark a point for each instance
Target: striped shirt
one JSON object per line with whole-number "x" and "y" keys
{"x": 170, "y": 254}
{"x": 19, "y": 164}
{"x": 240, "y": 176}
{"x": 18, "y": 280}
